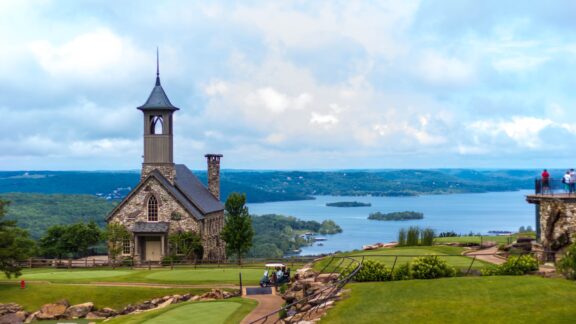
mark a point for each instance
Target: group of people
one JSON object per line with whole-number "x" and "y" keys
{"x": 279, "y": 275}
{"x": 568, "y": 179}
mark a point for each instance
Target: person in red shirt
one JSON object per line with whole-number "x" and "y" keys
{"x": 545, "y": 181}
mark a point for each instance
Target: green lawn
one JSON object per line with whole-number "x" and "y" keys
{"x": 500, "y": 239}
{"x": 523, "y": 299}
{"x": 190, "y": 276}
{"x": 388, "y": 256}
{"x": 36, "y": 295}
{"x": 230, "y": 311}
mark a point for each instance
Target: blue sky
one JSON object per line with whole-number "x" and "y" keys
{"x": 291, "y": 84}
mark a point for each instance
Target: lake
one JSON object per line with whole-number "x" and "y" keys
{"x": 461, "y": 213}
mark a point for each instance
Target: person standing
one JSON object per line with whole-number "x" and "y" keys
{"x": 566, "y": 181}
{"x": 545, "y": 181}
{"x": 572, "y": 181}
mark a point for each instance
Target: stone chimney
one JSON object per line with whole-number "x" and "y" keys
{"x": 214, "y": 174}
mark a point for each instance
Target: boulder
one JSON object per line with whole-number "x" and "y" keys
{"x": 78, "y": 311}
{"x": 327, "y": 277}
{"x": 101, "y": 314}
{"x": 9, "y": 308}
{"x": 95, "y": 316}
{"x": 185, "y": 297}
{"x": 127, "y": 310}
{"x": 110, "y": 311}
{"x": 196, "y": 298}
{"x": 31, "y": 317}
{"x": 214, "y": 294}
{"x": 53, "y": 311}
{"x": 11, "y": 318}
{"x": 145, "y": 306}
{"x": 290, "y": 297}
{"x": 166, "y": 303}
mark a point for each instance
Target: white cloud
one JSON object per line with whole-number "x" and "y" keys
{"x": 323, "y": 120}
{"x": 524, "y": 131}
{"x": 519, "y": 63}
{"x": 438, "y": 69}
{"x": 216, "y": 88}
{"x": 99, "y": 54}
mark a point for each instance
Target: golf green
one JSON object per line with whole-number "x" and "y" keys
{"x": 215, "y": 312}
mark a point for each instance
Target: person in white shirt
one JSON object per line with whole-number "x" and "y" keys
{"x": 566, "y": 180}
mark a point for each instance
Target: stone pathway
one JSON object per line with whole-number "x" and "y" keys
{"x": 266, "y": 305}
{"x": 487, "y": 255}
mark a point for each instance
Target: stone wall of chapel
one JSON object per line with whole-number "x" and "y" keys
{"x": 136, "y": 209}
{"x": 167, "y": 170}
{"x": 214, "y": 246}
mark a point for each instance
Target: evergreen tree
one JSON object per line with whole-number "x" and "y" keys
{"x": 15, "y": 244}
{"x": 237, "y": 231}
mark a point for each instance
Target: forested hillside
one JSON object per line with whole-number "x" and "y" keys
{"x": 264, "y": 186}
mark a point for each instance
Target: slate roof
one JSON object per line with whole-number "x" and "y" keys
{"x": 195, "y": 190}
{"x": 187, "y": 190}
{"x": 144, "y": 227}
{"x": 158, "y": 100}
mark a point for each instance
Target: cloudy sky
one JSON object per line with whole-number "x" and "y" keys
{"x": 291, "y": 84}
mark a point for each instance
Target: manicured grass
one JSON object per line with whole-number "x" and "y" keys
{"x": 36, "y": 294}
{"x": 189, "y": 276}
{"x": 500, "y": 239}
{"x": 524, "y": 299}
{"x": 405, "y": 254}
{"x": 229, "y": 311}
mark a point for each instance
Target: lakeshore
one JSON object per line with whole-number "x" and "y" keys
{"x": 461, "y": 213}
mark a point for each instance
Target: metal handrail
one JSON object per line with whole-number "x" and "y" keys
{"x": 554, "y": 187}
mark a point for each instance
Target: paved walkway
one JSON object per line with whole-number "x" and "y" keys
{"x": 488, "y": 255}
{"x": 266, "y": 305}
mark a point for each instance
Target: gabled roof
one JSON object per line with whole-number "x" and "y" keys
{"x": 158, "y": 100}
{"x": 187, "y": 190}
{"x": 195, "y": 191}
{"x": 147, "y": 227}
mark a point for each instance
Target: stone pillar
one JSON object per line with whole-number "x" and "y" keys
{"x": 214, "y": 174}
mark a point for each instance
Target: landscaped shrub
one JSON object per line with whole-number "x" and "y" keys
{"x": 427, "y": 237}
{"x": 402, "y": 237}
{"x": 514, "y": 266}
{"x": 567, "y": 265}
{"x": 431, "y": 267}
{"x": 402, "y": 272}
{"x": 372, "y": 271}
{"x": 413, "y": 236}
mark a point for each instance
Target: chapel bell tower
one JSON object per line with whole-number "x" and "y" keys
{"x": 158, "y": 132}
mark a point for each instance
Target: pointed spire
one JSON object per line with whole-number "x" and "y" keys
{"x": 157, "y": 67}
{"x": 158, "y": 99}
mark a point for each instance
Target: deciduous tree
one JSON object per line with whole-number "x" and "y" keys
{"x": 237, "y": 231}
{"x": 115, "y": 234}
{"x": 15, "y": 244}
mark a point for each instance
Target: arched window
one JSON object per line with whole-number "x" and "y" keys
{"x": 156, "y": 125}
{"x": 152, "y": 209}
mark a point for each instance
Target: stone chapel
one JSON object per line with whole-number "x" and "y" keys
{"x": 169, "y": 198}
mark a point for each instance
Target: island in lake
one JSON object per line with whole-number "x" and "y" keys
{"x": 396, "y": 216}
{"x": 348, "y": 204}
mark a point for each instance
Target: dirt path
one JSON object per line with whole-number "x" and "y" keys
{"x": 488, "y": 255}
{"x": 266, "y": 305}
{"x": 124, "y": 284}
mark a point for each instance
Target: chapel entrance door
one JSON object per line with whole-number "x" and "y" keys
{"x": 153, "y": 249}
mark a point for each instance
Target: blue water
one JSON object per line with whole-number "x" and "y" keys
{"x": 461, "y": 213}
